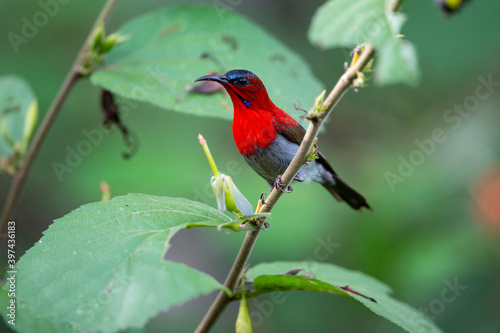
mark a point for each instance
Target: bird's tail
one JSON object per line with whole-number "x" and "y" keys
{"x": 343, "y": 192}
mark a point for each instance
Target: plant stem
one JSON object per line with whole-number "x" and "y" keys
{"x": 73, "y": 75}
{"x": 396, "y": 4}
{"x": 210, "y": 158}
{"x": 297, "y": 163}
{"x": 223, "y": 299}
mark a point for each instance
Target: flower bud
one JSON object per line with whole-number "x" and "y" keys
{"x": 227, "y": 194}
{"x": 98, "y": 38}
{"x": 111, "y": 41}
{"x": 449, "y": 6}
{"x": 229, "y": 197}
{"x": 243, "y": 322}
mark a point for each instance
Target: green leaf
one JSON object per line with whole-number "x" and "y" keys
{"x": 272, "y": 283}
{"x": 348, "y": 23}
{"x": 268, "y": 277}
{"x": 17, "y": 105}
{"x": 164, "y": 56}
{"x": 102, "y": 267}
{"x": 24, "y": 322}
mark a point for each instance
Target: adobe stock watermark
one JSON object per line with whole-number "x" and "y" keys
{"x": 436, "y": 307}
{"x": 453, "y": 119}
{"x": 30, "y": 26}
{"x": 155, "y": 79}
{"x": 264, "y": 308}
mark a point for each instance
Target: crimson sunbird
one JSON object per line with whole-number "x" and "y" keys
{"x": 268, "y": 138}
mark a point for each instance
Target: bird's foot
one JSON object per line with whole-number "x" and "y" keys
{"x": 279, "y": 185}
{"x": 265, "y": 226}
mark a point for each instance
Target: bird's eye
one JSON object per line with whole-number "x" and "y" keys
{"x": 242, "y": 81}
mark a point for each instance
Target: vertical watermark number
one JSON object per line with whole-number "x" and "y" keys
{"x": 11, "y": 273}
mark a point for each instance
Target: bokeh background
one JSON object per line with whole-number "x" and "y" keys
{"x": 438, "y": 226}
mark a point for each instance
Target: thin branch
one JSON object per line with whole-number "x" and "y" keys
{"x": 223, "y": 299}
{"x": 344, "y": 83}
{"x": 73, "y": 75}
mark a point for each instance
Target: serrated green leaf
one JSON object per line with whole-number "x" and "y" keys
{"x": 102, "y": 267}
{"x": 348, "y": 23}
{"x": 268, "y": 277}
{"x": 163, "y": 57}
{"x": 16, "y": 99}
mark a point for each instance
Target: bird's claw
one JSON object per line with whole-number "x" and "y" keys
{"x": 279, "y": 185}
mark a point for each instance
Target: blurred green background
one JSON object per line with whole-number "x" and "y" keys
{"x": 438, "y": 227}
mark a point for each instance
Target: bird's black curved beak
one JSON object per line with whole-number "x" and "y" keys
{"x": 217, "y": 78}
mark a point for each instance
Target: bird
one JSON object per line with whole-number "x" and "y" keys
{"x": 268, "y": 138}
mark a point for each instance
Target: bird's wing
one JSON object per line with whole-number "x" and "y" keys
{"x": 295, "y": 133}
{"x": 322, "y": 160}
